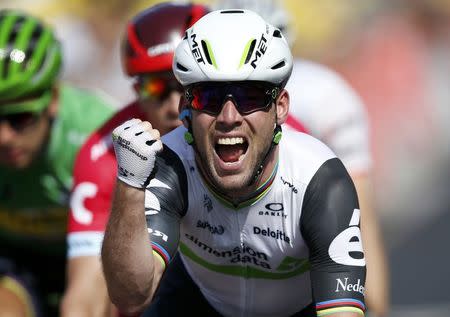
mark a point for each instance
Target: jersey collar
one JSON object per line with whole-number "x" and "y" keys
{"x": 251, "y": 199}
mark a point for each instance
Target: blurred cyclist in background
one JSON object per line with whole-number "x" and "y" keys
{"x": 148, "y": 47}
{"x": 42, "y": 126}
{"x": 325, "y": 106}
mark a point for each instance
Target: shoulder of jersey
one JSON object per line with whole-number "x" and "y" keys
{"x": 101, "y": 138}
{"x": 309, "y": 71}
{"x": 311, "y": 82}
{"x": 78, "y": 97}
{"x": 302, "y": 154}
{"x": 321, "y": 98}
{"x": 175, "y": 141}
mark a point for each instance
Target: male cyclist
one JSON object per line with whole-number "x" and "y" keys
{"x": 325, "y": 106}
{"x": 42, "y": 125}
{"x": 266, "y": 224}
{"x": 149, "y": 43}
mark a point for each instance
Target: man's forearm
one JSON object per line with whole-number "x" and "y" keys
{"x": 377, "y": 281}
{"x": 128, "y": 263}
{"x": 85, "y": 294}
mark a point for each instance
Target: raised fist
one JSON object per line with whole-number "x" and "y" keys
{"x": 136, "y": 144}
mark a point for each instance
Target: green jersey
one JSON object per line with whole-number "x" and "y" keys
{"x": 34, "y": 201}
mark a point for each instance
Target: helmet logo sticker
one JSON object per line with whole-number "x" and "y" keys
{"x": 196, "y": 52}
{"x": 15, "y": 54}
{"x": 260, "y": 50}
{"x": 161, "y": 49}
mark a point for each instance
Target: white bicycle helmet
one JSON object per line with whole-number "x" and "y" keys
{"x": 232, "y": 45}
{"x": 272, "y": 11}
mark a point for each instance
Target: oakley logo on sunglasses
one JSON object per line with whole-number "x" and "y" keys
{"x": 260, "y": 50}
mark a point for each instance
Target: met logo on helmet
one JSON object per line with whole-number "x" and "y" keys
{"x": 196, "y": 50}
{"x": 260, "y": 50}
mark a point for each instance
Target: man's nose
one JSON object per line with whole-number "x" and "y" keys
{"x": 173, "y": 101}
{"x": 229, "y": 113}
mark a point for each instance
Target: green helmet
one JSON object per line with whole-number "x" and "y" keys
{"x": 30, "y": 60}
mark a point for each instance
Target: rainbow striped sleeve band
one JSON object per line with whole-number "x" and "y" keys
{"x": 340, "y": 305}
{"x": 161, "y": 254}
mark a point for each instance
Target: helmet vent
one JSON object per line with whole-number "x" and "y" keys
{"x": 34, "y": 40}
{"x": 250, "y": 51}
{"x": 16, "y": 28}
{"x": 209, "y": 55}
{"x": 4, "y": 72}
{"x": 206, "y": 51}
{"x": 231, "y": 11}
{"x": 182, "y": 68}
{"x": 279, "y": 65}
{"x": 277, "y": 33}
{"x": 37, "y": 32}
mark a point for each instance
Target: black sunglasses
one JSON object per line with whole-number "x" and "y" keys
{"x": 248, "y": 96}
{"x": 20, "y": 121}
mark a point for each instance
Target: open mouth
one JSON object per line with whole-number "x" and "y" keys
{"x": 231, "y": 149}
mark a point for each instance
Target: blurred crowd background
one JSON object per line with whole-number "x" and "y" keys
{"x": 395, "y": 53}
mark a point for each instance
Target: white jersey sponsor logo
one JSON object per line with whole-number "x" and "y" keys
{"x": 344, "y": 285}
{"x": 100, "y": 148}
{"x": 158, "y": 233}
{"x": 348, "y": 243}
{"x": 82, "y": 192}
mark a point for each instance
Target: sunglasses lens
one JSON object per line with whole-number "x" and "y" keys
{"x": 251, "y": 98}
{"x": 160, "y": 87}
{"x": 207, "y": 99}
{"x": 248, "y": 96}
{"x": 155, "y": 87}
{"x": 20, "y": 121}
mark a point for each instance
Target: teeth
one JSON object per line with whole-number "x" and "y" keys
{"x": 230, "y": 141}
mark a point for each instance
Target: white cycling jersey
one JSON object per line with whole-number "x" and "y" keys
{"x": 329, "y": 109}
{"x": 321, "y": 102}
{"x": 296, "y": 241}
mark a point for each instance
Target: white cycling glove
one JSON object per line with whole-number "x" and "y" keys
{"x": 136, "y": 145}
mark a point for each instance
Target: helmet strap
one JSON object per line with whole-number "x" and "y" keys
{"x": 186, "y": 116}
{"x": 277, "y": 133}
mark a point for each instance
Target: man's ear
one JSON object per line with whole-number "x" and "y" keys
{"x": 52, "y": 108}
{"x": 282, "y": 106}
